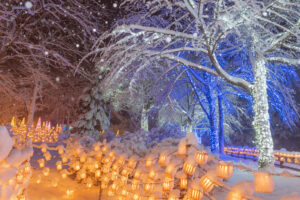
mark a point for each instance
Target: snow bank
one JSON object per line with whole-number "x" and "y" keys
{"x": 15, "y": 169}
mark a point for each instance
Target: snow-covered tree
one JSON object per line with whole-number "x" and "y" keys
{"x": 270, "y": 29}
{"x": 40, "y": 44}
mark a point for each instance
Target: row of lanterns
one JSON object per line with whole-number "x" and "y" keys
{"x": 115, "y": 172}
{"x": 43, "y": 132}
{"x": 280, "y": 156}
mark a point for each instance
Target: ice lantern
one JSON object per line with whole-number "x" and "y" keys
{"x": 234, "y": 195}
{"x": 263, "y": 182}
{"x": 196, "y": 191}
{"x": 163, "y": 159}
{"x": 206, "y": 183}
{"x": 189, "y": 166}
{"x": 183, "y": 181}
{"x": 201, "y": 157}
{"x": 224, "y": 170}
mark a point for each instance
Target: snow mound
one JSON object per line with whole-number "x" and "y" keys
{"x": 6, "y": 143}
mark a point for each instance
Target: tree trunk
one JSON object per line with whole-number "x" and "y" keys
{"x": 189, "y": 127}
{"x": 32, "y": 105}
{"x": 214, "y": 136}
{"x": 144, "y": 120}
{"x": 221, "y": 127}
{"x": 261, "y": 122}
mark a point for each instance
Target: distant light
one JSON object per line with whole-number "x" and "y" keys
{"x": 115, "y": 5}
{"x": 28, "y": 4}
{"x": 168, "y": 39}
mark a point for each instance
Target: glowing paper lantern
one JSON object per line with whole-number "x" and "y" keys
{"x": 148, "y": 187}
{"x": 98, "y": 173}
{"x": 82, "y": 173}
{"x": 136, "y": 196}
{"x": 183, "y": 181}
{"x": 60, "y": 149}
{"x": 137, "y": 174}
{"x": 41, "y": 162}
{"x": 121, "y": 160}
{"x": 114, "y": 186}
{"x": 125, "y": 172}
{"x": 135, "y": 185}
{"x": 82, "y": 158}
{"x": 263, "y": 182}
{"x": 69, "y": 193}
{"x": 46, "y": 171}
{"x": 89, "y": 183}
{"x": 149, "y": 161}
{"x": 167, "y": 184}
{"x": 152, "y": 174}
{"x": 189, "y": 166}
{"x": 64, "y": 158}
{"x": 201, "y": 157}
{"x": 20, "y": 178}
{"x": 182, "y": 148}
{"x": 44, "y": 147}
{"x": 112, "y": 154}
{"x": 13, "y": 122}
{"x": 59, "y": 165}
{"x": 39, "y": 179}
{"x": 169, "y": 172}
{"x": 206, "y": 183}
{"x": 96, "y": 146}
{"x": 110, "y": 193}
{"x": 234, "y": 195}
{"x": 77, "y": 166}
{"x": 224, "y": 170}
{"x": 123, "y": 180}
{"x": 196, "y": 192}
{"x": 163, "y": 159}
{"x": 99, "y": 156}
{"x": 124, "y": 192}
{"x": 115, "y": 167}
{"x": 151, "y": 198}
{"x": 47, "y": 155}
{"x": 114, "y": 175}
{"x": 132, "y": 163}
{"x": 104, "y": 149}
{"x": 64, "y": 173}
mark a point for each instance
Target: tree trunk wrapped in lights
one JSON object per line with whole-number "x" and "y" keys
{"x": 261, "y": 122}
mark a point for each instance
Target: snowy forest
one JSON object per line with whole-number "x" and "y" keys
{"x": 149, "y": 99}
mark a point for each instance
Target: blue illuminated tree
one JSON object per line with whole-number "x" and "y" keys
{"x": 201, "y": 26}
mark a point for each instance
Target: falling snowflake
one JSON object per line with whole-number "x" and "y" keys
{"x": 94, "y": 30}
{"x": 106, "y": 22}
{"x": 77, "y": 45}
{"x": 28, "y": 4}
{"x": 115, "y": 5}
{"x": 46, "y": 53}
{"x": 195, "y": 35}
{"x": 57, "y": 79}
{"x": 265, "y": 13}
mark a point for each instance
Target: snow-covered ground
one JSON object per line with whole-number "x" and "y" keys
{"x": 45, "y": 190}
